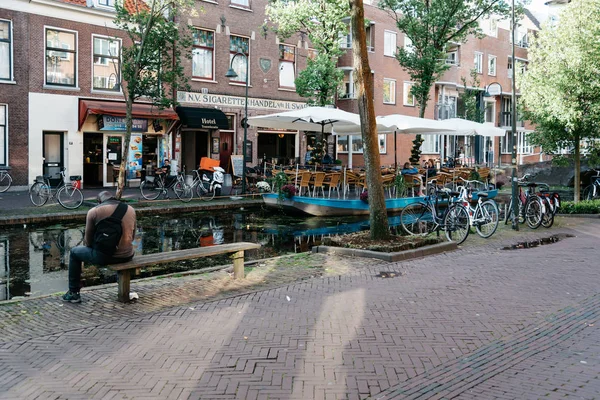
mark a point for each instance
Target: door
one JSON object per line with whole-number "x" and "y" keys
{"x": 53, "y": 153}
{"x": 113, "y": 152}
{"x": 226, "y": 149}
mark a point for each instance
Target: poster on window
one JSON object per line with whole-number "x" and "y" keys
{"x": 134, "y": 161}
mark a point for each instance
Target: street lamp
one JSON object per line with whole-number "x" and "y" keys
{"x": 232, "y": 74}
{"x": 514, "y": 186}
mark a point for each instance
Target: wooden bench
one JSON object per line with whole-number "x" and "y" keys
{"x": 124, "y": 270}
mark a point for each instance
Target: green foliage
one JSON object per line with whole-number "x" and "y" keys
{"x": 474, "y": 176}
{"x": 318, "y": 152}
{"x": 415, "y": 152}
{"x": 279, "y": 180}
{"x": 320, "y": 80}
{"x": 432, "y": 26}
{"x": 400, "y": 185}
{"x": 583, "y": 207}
{"x": 468, "y": 107}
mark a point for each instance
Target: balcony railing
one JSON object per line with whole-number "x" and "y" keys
{"x": 505, "y": 119}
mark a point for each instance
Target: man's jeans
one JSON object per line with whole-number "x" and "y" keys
{"x": 85, "y": 254}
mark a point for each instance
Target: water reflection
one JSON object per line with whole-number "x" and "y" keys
{"x": 34, "y": 261}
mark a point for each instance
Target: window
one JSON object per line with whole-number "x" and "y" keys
{"x": 478, "y": 61}
{"x": 408, "y": 45}
{"x": 242, "y": 45}
{"x": 203, "y": 54}
{"x": 357, "y": 143}
{"x": 287, "y": 66}
{"x": 370, "y": 37}
{"x": 106, "y": 64}
{"x": 490, "y": 111}
{"x": 347, "y": 89}
{"x": 522, "y": 37}
{"x": 3, "y": 135}
{"x": 408, "y": 98}
{"x": 389, "y": 43}
{"x": 5, "y": 50}
{"x": 510, "y": 67}
{"x": 346, "y": 40}
{"x": 241, "y": 3}
{"x": 524, "y": 146}
{"x": 389, "y": 91}
{"x": 61, "y": 58}
{"x": 431, "y": 144}
{"x": 491, "y": 27}
{"x": 491, "y": 65}
{"x": 452, "y": 57}
{"x": 506, "y": 143}
{"x": 107, "y": 3}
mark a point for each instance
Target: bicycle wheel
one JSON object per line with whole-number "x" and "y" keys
{"x": 548, "y": 217}
{"x": 533, "y": 212}
{"x": 183, "y": 192}
{"x": 417, "y": 219}
{"x": 204, "y": 193}
{"x": 486, "y": 219}
{"x": 590, "y": 192}
{"x": 150, "y": 190}
{"x": 5, "y": 182}
{"x": 509, "y": 213}
{"x": 456, "y": 223}
{"x": 69, "y": 197}
{"x": 39, "y": 193}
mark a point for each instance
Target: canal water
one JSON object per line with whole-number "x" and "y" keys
{"x": 34, "y": 260}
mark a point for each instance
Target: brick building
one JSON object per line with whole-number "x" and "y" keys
{"x": 60, "y": 56}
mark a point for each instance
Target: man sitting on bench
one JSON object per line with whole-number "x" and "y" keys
{"x": 109, "y": 232}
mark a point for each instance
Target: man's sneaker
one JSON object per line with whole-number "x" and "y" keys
{"x": 71, "y": 297}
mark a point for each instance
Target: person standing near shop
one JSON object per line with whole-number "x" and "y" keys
{"x": 109, "y": 233}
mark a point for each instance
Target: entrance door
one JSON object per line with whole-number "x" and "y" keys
{"x": 113, "y": 152}
{"x": 226, "y": 149}
{"x": 53, "y": 154}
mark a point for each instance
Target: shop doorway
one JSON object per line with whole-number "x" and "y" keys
{"x": 93, "y": 159}
{"x": 194, "y": 146}
{"x": 277, "y": 148}
{"x": 53, "y": 152}
{"x": 113, "y": 153}
{"x": 226, "y": 149}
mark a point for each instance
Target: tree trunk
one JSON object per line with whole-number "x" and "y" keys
{"x": 126, "y": 140}
{"x": 364, "y": 82}
{"x": 577, "y": 177}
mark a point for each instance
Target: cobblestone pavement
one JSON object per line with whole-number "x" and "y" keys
{"x": 477, "y": 323}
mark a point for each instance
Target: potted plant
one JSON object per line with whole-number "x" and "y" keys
{"x": 288, "y": 191}
{"x": 263, "y": 187}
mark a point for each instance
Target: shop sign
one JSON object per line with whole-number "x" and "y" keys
{"x": 237, "y": 101}
{"x": 112, "y": 123}
{"x": 135, "y": 156}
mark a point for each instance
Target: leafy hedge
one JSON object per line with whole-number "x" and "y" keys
{"x": 583, "y": 207}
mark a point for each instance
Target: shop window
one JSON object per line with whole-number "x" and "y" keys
{"x": 106, "y": 68}
{"x": 61, "y": 58}
{"x": 5, "y": 50}
{"x": 478, "y": 62}
{"x": 389, "y": 91}
{"x": 203, "y": 54}
{"x": 241, "y": 45}
{"x": 3, "y": 135}
{"x": 287, "y": 66}
{"x": 389, "y": 43}
{"x": 408, "y": 98}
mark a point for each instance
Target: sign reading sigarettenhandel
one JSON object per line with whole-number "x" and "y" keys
{"x": 237, "y": 101}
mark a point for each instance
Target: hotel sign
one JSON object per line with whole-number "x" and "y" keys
{"x": 237, "y": 101}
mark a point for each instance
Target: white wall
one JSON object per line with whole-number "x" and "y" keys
{"x": 59, "y": 113}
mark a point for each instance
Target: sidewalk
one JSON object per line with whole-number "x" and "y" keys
{"x": 479, "y": 323}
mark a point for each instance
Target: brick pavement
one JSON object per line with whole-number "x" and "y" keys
{"x": 450, "y": 318}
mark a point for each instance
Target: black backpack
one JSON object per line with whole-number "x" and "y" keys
{"x": 109, "y": 230}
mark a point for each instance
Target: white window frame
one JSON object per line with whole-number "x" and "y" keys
{"x": 524, "y": 147}
{"x": 370, "y": 37}
{"x": 4, "y": 124}
{"x": 194, "y": 46}
{"x": 492, "y": 27}
{"x": 10, "y": 42}
{"x": 431, "y": 144}
{"x": 118, "y": 71}
{"x": 452, "y": 57}
{"x": 492, "y": 72}
{"x": 245, "y": 4}
{"x": 510, "y": 66}
{"x": 381, "y": 141}
{"x": 54, "y": 85}
{"x": 346, "y": 39}
{"x": 505, "y": 146}
{"x": 281, "y": 61}
{"x": 390, "y": 43}
{"x": 408, "y": 45}
{"x": 478, "y": 62}
{"x": 493, "y": 103}
{"x": 406, "y": 93}
{"x": 110, "y": 4}
{"x": 351, "y": 93}
{"x": 392, "y": 86}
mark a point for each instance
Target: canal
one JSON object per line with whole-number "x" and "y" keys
{"x": 34, "y": 259}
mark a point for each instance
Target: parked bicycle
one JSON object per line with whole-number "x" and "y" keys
{"x": 5, "y": 179}
{"x": 207, "y": 184}
{"x": 485, "y": 215}
{"x": 427, "y": 216}
{"x": 592, "y": 191}
{"x": 67, "y": 193}
{"x": 531, "y": 207}
{"x": 155, "y": 185}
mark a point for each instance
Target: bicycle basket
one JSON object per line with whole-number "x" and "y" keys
{"x": 39, "y": 179}
{"x": 150, "y": 179}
